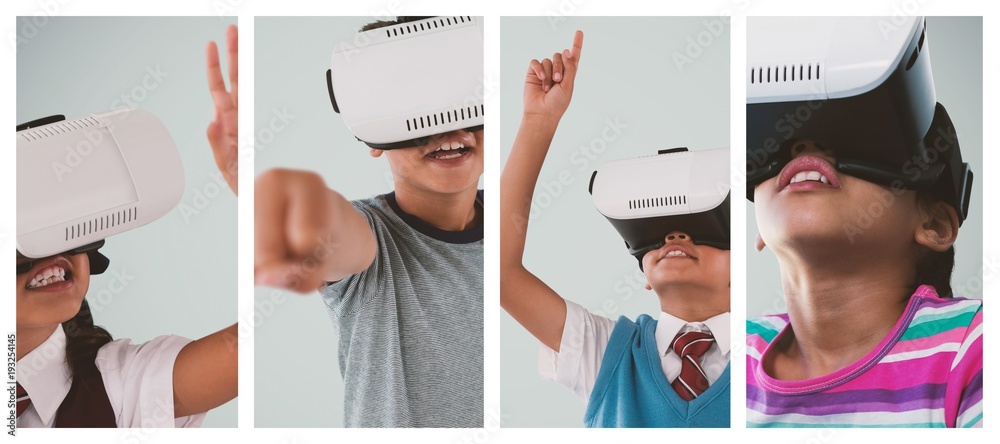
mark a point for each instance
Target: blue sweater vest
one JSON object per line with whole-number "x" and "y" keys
{"x": 631, "y": 390}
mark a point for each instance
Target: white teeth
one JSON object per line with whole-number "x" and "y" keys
{"x": 49, "y": 275}
{"x": 46, "y": 281}
{"x": 676, "y": 253}
{"x": 446, "y": 146}
{"x": 803, "y": 176}
{"x": 449, "y": 146}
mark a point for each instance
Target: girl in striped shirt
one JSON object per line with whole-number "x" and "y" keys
{"x": 862, "y": 218}
{"x": 873, "y": 336}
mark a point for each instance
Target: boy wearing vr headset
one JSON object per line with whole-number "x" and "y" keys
{"x": 873, "y": 336}
{"x": 682, "y": 380}
{"x": 401, "y": 273}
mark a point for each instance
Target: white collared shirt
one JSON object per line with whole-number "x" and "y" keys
{"x": 585, "y": 338}
{"x": 137, "y": 377}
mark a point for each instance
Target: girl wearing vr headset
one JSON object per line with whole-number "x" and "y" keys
{"x": 873, "y": 336}
{"x": 873, "y": 319}
{"x": 691, "y": 281}
{"x": 72, "y": 373}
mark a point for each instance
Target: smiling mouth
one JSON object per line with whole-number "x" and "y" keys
{"x": 675, "y": 253}
{"x": 808, "y": 173}
{"x": 449, "y": 151}
{"x": 803, "y": 176}
{"x": 49, "y": 275}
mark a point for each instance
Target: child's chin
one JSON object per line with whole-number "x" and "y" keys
{"x": 667, "y": 274}
{"x": 805, "y": 227}
{"x": 453, "y": 186}
{"x": 819, "y": 236}
{"x": 50, "y": 308}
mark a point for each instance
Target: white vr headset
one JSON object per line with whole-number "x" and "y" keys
{"x": 397, "y": 86}
{"x": 80, "y": 181}
{"x": 645, "y": 198}
{"x": 859, "y": 86}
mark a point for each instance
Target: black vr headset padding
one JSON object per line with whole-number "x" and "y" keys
{"x": 882, "y": 127}
{"x": 868, "y": 145}
{"x": 98, "y": 262}
{"x": 710, "y": 228}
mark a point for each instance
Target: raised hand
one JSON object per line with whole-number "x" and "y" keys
{"x": 222, "y": 132}
{"x": 548, "y": 85}
{"x": 548, "y": 89}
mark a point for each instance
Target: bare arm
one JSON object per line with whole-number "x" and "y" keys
{"x": 547, "y": 92}
{"x": 306, "y": 234}
{"x": 205, "y": 373}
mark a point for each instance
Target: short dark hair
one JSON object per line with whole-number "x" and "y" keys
{"x": 401, "y": 19}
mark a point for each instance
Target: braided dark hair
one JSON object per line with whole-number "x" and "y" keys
{"x": 83, "y": 339}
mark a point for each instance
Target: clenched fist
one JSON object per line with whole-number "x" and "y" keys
{"x": 306, "y": 234}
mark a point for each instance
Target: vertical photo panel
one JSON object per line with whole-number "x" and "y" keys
{"x": 865, "y": 169}
{"x": 614, "y": 222}
{"x": 369, "y": 221}
{"x": 126, "y": 223}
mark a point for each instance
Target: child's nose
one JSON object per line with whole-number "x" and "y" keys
{"x": 804, "y": 147}
{"x": 678, "y": 236}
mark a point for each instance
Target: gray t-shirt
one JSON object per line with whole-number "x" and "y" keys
{"x": 411, "y": 325}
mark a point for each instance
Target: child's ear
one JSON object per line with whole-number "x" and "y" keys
{"x": 648, "y": 287}
{"x": 938, "y": 227}
{"x": 759, "y": 243}
{"x": 374, "y": 152}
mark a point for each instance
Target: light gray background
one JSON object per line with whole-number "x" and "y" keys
{"x": 627, "y": 73}
{"x": 184, "y": 270}
{"x": 956, "y": 45}
{"x": 295, "y": 340}
{"x": 297, "y": 344}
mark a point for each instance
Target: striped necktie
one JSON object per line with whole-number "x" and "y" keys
{"x": 23, "y": 400}
{"x": 690, "y": 346}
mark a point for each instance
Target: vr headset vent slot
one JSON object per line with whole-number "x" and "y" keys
{"x": 916, "y": 51}
{"x": 654, "y": 202}
{"x": 441, "y": 118}
{"x": 101, "y": 223}
{"x": 785, "y": 73}
{"x": 411, "y": 28}
{"x": 55, "y": 129}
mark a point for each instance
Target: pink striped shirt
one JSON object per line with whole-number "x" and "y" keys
{"x": 927, "y": 372}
